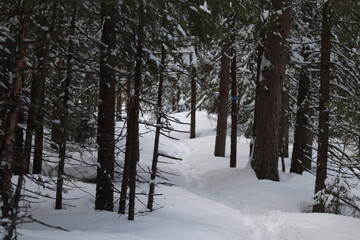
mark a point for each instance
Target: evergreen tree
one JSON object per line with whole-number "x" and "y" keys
{"x": 268, "y": 96}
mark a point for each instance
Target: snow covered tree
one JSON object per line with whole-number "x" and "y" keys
{"x": 64, "y": 98}
{"x": 268, "y": 97}
{"x": 132, "y": 137}
{"x": 106, "y": 115}
{"x": 304, "y": 55}
{"x": 10, "y": 197}
{"x": 323, "y": 138}
{"x": 220, "y": 141}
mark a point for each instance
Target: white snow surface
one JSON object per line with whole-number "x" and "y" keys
{"x": 211, "y": 201}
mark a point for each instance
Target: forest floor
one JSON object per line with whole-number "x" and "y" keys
{"x": 208, "y": 200}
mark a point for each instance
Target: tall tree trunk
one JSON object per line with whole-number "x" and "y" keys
{"x": 221, "y": 127}
{"x": 35, "y": 115}
{"x": 157, "y": 132}
{"x": 268, "y": 99}
{"x": 303, "y": 136}
{"x": 323, "y": 138}
{"x": 260, "y": 53}
{"x": 10, "y": 202}
{"x": 135, "y": 113}
{"x": 300, "y": 160}
{"x": 57, "y": 109}
{"x": 39, "y": 134}
{"x": 193, "y": 99}
{"x": 64, "y": 113}
{"x": 106, "y": 116}
{"x": 30, "y": 126}
{"x": 132, "y": 137}
{"x": 234, "y": 110}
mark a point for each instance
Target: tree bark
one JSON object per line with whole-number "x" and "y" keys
{"x": 39, "y": 138}
{"x": 57, "y": 104}
{"x": 303, "y": 136}
{"x": 135, "y": 156}
{"x": 221, "y": 127}
{"x": 106, "y": 115}
{"x": 260, "y": 53}
{"x": 323, "y": 138}
{"x": 118, "y": 102}
{"x": 234, "y": 110}
{"x": 132, "y": 137}
{"x": 284, "y": 124}
{"x": 7, "y": 160}
{"x": 19, "y": 144}
{"x": 64, "y": 112}
{"x": 193, "y": 99}
{"x": 268, "y": 99}
{"x": 30, "y": 126}
{"x": 300, "y": 160}
{"x": 157, "y": 132}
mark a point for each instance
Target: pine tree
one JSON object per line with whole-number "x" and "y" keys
{"x": 323, "y": 138}
{"x": 65, "y": 85}
{"x": 303, "y": 136}
{"x": 11, "y": 198}
{"x": 106, "y": 115}
{"x": 268, "y": 96}
{"x": 224, "y": 77}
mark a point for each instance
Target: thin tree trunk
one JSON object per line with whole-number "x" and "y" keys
{"x": 234, "y": 110}
{"x": 303, "y": 137}
{"x": 358, "y": 146}
{"x": 64, "y": 113}
{"x": 19, "y": 145}
{"x": 193, "y": 99}
{"x": 10, "y": 202}
{"x": 268, "y": 99}
{"x": 126, "y": 169}
{"x": 221, "y": 127}
{"x": 118, "y": 102}
{"x": 323, "y": 139}
{"x": 35, "y": 115}
{"x": 106, "y": 116}
{"x": 132, "y": 137}
{"x": 175, "y": 96}
{"x": 157, "y": 132}
{"x": 135, "y": 113}
{"x": 39, "y": 136}
{"x": 59, "y": 84}
{"x": 30, "y": 126}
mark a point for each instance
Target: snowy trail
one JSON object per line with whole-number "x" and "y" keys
{"x": 211, "y": 201}
{"x": 258, "y": 227}
{"x": 210, "y": 178}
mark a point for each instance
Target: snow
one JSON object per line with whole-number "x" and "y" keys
{"x": 205, "y": 8}
{"x": 210, "y": 201}
{"x": 181, "y": 30}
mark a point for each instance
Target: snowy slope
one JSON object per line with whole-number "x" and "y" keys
{"x": 210, "y": 201}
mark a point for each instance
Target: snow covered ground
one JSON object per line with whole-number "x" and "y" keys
{"x": 211, "y": 201}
